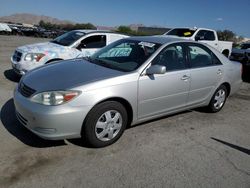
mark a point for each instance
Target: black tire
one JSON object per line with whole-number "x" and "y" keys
{"x": 212, "y": 105}
{"x": 89, "y": 131}
{"x": 226, "y": 53}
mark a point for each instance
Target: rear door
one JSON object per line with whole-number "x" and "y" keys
{"x": 206, "y": 72}
{"x": 167, "y": 92}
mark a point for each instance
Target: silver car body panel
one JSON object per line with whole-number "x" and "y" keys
{"x": 144, "y": 93}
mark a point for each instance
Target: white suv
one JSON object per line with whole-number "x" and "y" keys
{"x": 77, "y": 43}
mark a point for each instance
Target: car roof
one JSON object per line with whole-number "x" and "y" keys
{"x": 193, "y": 28}
{"x": 88, "y": 31}
{"x": 160, "y": 39}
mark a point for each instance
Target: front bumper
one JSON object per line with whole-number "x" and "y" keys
{"x": 16, "y": 66}
{"x": 50, "y": 122}
{"x": 22, "y": 66}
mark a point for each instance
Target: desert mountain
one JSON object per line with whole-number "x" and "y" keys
{"x": 31, "y": 19}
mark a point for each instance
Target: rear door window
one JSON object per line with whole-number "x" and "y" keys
{"x": 200, "y": 56}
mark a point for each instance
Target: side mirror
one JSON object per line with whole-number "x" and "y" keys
{"x": 197, "y": 38}
{"x": 80, "y": 46}
{"x": 156, "y": 69}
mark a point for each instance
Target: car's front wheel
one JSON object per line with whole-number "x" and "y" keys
{"x": 218, "y": 100}
{"x": 105, "y": 124}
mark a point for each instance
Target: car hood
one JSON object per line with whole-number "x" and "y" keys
{"x": 66, "y": 75}
{"x": 41, "y": 47}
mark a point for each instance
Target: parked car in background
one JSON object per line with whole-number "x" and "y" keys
{"x": 241, "y": 53}
{"x": 128, "y": 82}
{"x": 15, "y": 30}
{"x": 204, "y": 35}
{"x": 30, "y": 32}
{"x": 5, "y": 29}
{"x": 67, "y": 46}
{"x": 46, "y": 33}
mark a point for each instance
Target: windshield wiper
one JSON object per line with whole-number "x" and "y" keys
{"x": 88, "y": 58}
{"x": 101, "y": 63}
{"x": 56, "y": 42}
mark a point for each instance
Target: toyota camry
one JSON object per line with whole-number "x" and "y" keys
{"x": 128, "y": 82}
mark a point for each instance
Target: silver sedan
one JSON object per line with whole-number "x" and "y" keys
{"x": 128, "y": 82}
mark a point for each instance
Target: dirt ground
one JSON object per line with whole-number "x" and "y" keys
{"x": 190, "y": 149}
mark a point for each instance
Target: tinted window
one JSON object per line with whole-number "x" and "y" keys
{"x": 182, "y": 32}
{"x": 205, "y": 35}
{"x": 245, "y": 46}
{"x": 171, "y": 57}
{"x": 209, "y": 35}
{"x": 200, "y": 56}
{"x": 98, "y": 41}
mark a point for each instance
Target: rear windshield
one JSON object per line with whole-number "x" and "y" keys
{"x": 182, "y": 32}
{"x": 68, "y": 38}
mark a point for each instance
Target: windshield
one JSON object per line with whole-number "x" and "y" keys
{"x": 124, "y": 55}
{"x": 245, "y": 46}
{"x": 182, "y": 32}
{"x": 68, "y": 38}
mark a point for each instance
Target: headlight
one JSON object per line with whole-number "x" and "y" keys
{"x": 53, "y": 98}
{"x": 35, "y": 57}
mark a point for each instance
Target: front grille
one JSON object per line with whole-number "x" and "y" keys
{"x": 21, "y": 118}
{"x": 17, "y": 56}
{"x": 25, "y": 90}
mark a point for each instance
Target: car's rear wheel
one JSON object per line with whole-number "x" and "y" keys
{"x": 105, "y": 124}
{"x": 218, "y": 100}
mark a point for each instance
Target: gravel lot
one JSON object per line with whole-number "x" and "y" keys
{"x": 190, "y": 149}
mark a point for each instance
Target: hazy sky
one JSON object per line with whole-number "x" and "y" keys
{"x": 215, "y": 14}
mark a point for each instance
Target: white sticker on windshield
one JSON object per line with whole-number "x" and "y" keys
{"x": 147, "y": 44}
{"x": 79, "y": 33}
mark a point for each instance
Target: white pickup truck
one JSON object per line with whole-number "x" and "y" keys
{"x": 77, "y": 43}
{"x": 204, "y": 35}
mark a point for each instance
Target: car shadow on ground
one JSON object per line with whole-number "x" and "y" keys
{"x": 13, "y": 126}
{"x": 160, "y": 118}
{"x": 12, "y": 76}
{"x": 233, "y": 146}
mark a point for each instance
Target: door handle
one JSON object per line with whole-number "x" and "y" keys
{"x": 185, "y": 78}
{"x": 219, "y": 72}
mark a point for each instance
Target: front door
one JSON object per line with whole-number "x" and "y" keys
{"x": 158, "y": 94}
{"x": 91, "y": 44}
